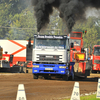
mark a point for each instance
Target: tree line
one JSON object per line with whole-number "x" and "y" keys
{"x": 18, "y": 22}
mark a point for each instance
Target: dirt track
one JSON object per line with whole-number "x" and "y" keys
{"x": 42, "y": 89}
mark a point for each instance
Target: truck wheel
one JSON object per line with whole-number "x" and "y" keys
{"x": 65, "y": 77}
{"x": 35, "y": 76}
{"x": 46, "y": 76}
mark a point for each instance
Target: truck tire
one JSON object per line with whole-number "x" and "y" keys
{"x": 46, "y": 77}
{"x": 35, "y": 76}
{"x": 65, "y": 77}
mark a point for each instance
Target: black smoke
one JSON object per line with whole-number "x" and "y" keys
{"x": 70, "y": 10}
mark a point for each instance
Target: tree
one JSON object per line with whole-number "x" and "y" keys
{"x": 8, "y": 8}
{"x": 91, "y": 37}
{"x": 23, "y": 25}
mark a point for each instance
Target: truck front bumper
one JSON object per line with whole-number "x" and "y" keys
{"x": 50, "y": 69}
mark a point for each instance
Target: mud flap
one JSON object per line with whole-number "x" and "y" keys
{"x": 72, "y": 69}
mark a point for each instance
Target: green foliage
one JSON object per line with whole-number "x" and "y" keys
{"x": 90, "y": 97}
{"x": 23, "y": 26}
{"x": 91, "y": 37}
{"x": 8, "y": 9}
{"x": 17, "y": 21}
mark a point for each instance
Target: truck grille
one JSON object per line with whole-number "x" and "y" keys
{"x": 48, "y": 65}
{"x": 97, "y": 61}
{"x": 49, "y": 57}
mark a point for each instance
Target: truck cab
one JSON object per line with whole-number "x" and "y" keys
{"x": 76, "y": 38}
{"x": 51, "y": 56}
{"x": 96, "y": 58}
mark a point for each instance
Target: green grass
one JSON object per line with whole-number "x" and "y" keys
{"x": 91, "y": 97}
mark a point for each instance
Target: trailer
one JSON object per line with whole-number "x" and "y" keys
{"x": 50, "y": 55}
{"x": 6, "y": 63}
{"x": 17, "y": 48}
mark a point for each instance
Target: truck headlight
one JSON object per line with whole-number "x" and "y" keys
{"x": 62, "y": 66}
{"x": 36, "y": 66}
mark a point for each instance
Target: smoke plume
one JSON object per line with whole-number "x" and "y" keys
{"x": 70, "y": 10}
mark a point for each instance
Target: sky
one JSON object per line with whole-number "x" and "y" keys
{"x": 92, "y": 12}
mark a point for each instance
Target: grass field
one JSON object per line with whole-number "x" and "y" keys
{"x": 90, "y": 97}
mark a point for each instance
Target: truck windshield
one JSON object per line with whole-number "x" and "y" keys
{"x": 76, "y": 42}
{"x": 50, "y": 43}
{"x": 76, "y": 35}
{"x": 97, "y": 51}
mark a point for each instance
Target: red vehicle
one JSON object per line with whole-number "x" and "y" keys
{"x": 76, "y": 38}
{"x": 96, "y": 59}
{"x": 6, "y": 63}
{"x": 77, "y": 54}
{"x": 17, "y": 48}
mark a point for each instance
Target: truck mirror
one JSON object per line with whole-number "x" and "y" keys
{"x": 72, "y": 45}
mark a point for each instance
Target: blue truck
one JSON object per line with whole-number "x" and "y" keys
{"x": 50, "y": 55}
